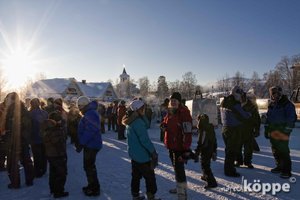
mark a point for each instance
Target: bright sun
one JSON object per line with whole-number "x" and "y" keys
{"x": 18, "y": 67}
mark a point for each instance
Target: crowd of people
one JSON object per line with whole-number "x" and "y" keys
{"x": 41, "y": 130}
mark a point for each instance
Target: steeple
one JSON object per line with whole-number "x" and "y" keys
{"x": 124, "y": 71}
{"x": 124, "y": 76}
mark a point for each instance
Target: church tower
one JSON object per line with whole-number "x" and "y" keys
{"x": 124, "y": 77}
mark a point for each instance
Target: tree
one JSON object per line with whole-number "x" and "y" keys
{"x": 174, "y": 86}
{"x": 162, "y": 88}
{"x": 188, "y": 85}
{"x": 238, "y": 79}
{"x": 285, "y": 73}
{"x": 273, "y": 79}
{"x": 144, "y": 86}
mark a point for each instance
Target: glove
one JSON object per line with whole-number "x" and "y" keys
{"x": 214, "y": 156}
{"x": 267, "y": 132}
{"x": 154, "y": 160}
{"x": 78, "y": 148}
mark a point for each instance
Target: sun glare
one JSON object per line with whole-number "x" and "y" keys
{"x": 18, "y": 67}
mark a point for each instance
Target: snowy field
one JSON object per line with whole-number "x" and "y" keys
{"x": 114, "y": 174}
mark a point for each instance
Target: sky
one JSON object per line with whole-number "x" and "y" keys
{"x": 95, "y": 39}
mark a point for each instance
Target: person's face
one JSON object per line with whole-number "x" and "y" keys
{"x": 275, "y": 95}
{"x": 174, "y": 103}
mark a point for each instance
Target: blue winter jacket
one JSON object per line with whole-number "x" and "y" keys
{"x": 38, "y": 116}
{"x": 140, "y": 146}
{"x": 232, "y": 113}
{"x": 89, "y": 134}
{"x": 281, "y": 115}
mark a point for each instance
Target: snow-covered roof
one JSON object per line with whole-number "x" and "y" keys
{"x": 49, "y": 87}
{"x": 93, "y": 89}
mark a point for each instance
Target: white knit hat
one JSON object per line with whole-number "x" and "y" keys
{"x": 82, "y": 102}
{"x": 136, "y": 104}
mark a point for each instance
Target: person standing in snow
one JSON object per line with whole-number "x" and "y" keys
{"x": 141, "y": 151}
{"x": 250, "y": 130}
{"x": 54, "y": 139}
{"x": 281, "y": 117}
{"x": 109, "y": 117}
{"x": 177, "y": 126}
{"x": 232, "y": 117}
{"x": 207, "y": 148}
{"x": 17, "y": 128}
{"x": 38, "y": 116}
{"x": 90, "y": 140}
{"x": 120, "y": 114}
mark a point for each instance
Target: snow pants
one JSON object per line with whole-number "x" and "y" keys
{"x": 247, "y": 137}
{"x": 142, "y": 170}
{"x": 178, "y": 165}
{"x": 89, "y": 160}
{"x": 39, "y": 159}
{"x": 57, "y": 174}
{"x": 232, "y": 141}
{"x": 281, "y": 153}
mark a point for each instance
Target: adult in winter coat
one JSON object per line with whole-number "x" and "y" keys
{"x": 17, "y": 127}
{"x": 281, "y": 117}
{"x": 250, "y": 130}
{"x": 54, "y": 138}
{"x": 121, "y": 113}
{"x": 177, "y": 126}
{"x": 90, "y": 139}
{"x": 207, "y": 148}
{"x": 38, "y": 116}
{"x": 232, "y": 117}
{"x": 141, "y": 150}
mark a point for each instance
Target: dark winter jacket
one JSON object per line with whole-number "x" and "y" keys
{"x": 281, "y": 116}
{"x": 206, "y": 138}
{"x": 253, "y": 124}
{"x": 140, "y": 146}
{"x": 232, "y": 113}
{"x": 89, "y": 134}
{"x": 38, "y": 116}
{"x": 54, "y": 138}
{"x": 18, "y": 129}
{"x": 176, "y": 138}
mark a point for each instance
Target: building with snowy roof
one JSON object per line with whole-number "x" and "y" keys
{"x": 70, "y": 89}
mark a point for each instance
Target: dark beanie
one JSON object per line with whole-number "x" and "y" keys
{"x": 176, "y": 95}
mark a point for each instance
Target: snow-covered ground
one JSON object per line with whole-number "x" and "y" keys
{"x": 114, "y": 173}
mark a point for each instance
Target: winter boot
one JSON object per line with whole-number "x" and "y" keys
{"x": 136, "y": 196}
{"x": 181, "y": 191}
{"x": 60, "y": 195}
{"x": 211, "y": 182}
{"x": 151, "y": 196}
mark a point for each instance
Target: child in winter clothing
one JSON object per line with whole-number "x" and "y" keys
{"x": 54, "y": 138}
{"x": 207, "y": 147}
{"x": 141, "y": 151}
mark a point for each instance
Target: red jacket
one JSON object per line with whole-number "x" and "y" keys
{"x": 178, "y": 138}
